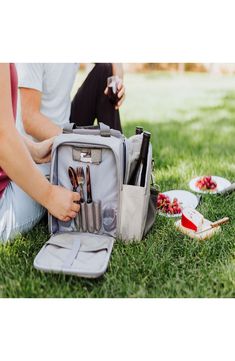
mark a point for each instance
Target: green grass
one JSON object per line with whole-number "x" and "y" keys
{"x": 191, "y": 119}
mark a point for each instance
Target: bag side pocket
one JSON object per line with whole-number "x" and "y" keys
{"x": 134, "y": 202}
{"x": 151, "y": 215}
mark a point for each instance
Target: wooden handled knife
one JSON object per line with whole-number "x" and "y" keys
{"x": 88, "y": 184}
{"x": 215, "y": 224}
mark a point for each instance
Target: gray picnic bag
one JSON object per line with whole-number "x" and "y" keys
{"x": 114, "y": 210}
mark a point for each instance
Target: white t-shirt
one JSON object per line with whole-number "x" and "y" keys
{"x": 55, "y": 82}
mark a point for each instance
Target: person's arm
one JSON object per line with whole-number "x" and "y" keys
{"x": 118, "y": 70}
{"x": 35, "y": 123}
{"x": 41, "y": 151}
{"x": 16, "y": 161}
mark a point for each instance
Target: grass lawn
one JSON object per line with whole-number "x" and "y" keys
{"x": 191, "y": 118}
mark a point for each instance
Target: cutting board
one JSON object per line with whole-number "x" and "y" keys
{"x": 193, "y": 234}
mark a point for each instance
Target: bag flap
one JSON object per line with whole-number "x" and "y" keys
{"x": 88, "y": 244}
{"x": 61, "y": 240}
{"x": 80, "y": 254}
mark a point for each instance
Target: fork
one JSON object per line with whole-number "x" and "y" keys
{"x": 73, "y": 179}
{"x": 81, "y": 181}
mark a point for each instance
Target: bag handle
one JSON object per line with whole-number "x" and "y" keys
{"x": 105, "y": 130}
{"x": 101, "y": 129}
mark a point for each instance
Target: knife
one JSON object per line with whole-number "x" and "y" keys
{"x": 73, "y": 178}
{"x": 88, "y": 184}
{"x": 215, "y": 224}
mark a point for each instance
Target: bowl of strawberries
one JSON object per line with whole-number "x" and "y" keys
{"x": 171, "y": 203}
{"x": 206, "y": 183}
{"x": 168, "y": 206}
{"x": 209, "y": 184}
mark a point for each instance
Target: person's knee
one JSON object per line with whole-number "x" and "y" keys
{"x": 12, "y": 229}
{"x": 18, "y": 213}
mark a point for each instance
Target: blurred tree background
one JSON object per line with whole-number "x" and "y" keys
{"x": 215, "y": 68}
{"x": 222, "y": 68}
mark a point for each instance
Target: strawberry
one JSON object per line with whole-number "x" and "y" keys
{"x": 165, "y": 205}
{"x": 206, "y": 183}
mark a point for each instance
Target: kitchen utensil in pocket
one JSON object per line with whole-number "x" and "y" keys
{"x": 97, "y": 215}
{"x": 90, "y": 218}
{"x": 83, "y": 206}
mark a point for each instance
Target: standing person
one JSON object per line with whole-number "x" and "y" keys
{"x": 22, "y": 185}
{"x": 45, "y": 97}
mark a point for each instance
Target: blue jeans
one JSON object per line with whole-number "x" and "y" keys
{"x": 18, "y": 212}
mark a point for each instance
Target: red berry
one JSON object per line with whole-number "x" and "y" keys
{"x": 206, "y": 183}
{"x": 166, "y": 205}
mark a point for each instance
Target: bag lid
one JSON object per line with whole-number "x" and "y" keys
{"x": 80, "y": 254}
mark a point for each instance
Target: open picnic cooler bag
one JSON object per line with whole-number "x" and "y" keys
{"x": 117, "y": 210}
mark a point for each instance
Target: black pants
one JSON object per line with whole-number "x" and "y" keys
{"x": 91, "y": 103}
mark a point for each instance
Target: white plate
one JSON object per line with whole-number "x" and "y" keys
{"x": 185, "y": 198}
{"x": 222, "y": 183}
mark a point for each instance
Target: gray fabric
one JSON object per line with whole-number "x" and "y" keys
{"x": 83, "y": 216}
{"x": 88, "y": 155}
{"x": 80, "y": 254}
{"x": 135, "y": 200}
{"x": 105, "y": 178}
{"x": 68, "y": 128}
{"x": 151, "y": 215}
{"x": 117, "y": 209}
{"x": 104, "y": 183}
{"x": 73, "y": 254}
{"x": 133, "y": 204}
{"x": 90, "y": 218}
{"x": 104, "y": 130}
{"x": 113, "y": 132}
{"x": 97, "y": 215}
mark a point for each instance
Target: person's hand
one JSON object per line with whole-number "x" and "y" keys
{"x": 41, "y": 152}
{"x": 61, "y": 203}
{"x": 121, "y": 93}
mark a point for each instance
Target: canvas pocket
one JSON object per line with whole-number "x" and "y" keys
{"x": 134, "y": 206}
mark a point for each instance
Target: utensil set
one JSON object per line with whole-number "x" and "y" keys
{"x": 89, "y": 217}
